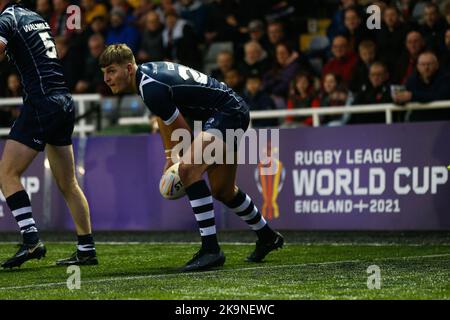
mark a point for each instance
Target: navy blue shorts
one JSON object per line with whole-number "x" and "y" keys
{"x": 238, "y": 118}
{"x": 48, "y": 119}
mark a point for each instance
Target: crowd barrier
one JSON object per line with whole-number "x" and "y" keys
{"x": 360, "y": 177}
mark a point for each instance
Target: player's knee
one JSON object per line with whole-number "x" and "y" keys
{"x": 188, "y": 173}
{"x": 222, "y": 194}
{"x": 7, "y": 173}
{"x": 67, "y": 185}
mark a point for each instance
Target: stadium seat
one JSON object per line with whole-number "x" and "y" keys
{"x": 132, "y": 106}
{"x": 319, "y": 43}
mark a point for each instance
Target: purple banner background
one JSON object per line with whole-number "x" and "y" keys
{"x": 122, "y": 176}
{"x": 34, "y": 173}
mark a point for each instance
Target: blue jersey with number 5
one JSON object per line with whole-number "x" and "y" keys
{"x": 169, "y": 88}
{"x": 30, "y": 46}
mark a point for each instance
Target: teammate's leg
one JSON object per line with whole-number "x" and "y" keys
{"x": 15, "y": 160}
{"x": 62, "y": 165}
{"x": 222, "y": 179}
{"x": 201, "y": 201}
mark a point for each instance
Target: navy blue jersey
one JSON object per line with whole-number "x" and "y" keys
{"x": 168, "y": 88}
{"x": 31, "y": 47}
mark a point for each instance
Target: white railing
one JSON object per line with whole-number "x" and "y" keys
{"x": 387, "y": 108}
{"x": 81, "y": 100}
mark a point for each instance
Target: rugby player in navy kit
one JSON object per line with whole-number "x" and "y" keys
{"x": 47, "y": 119}
{"x": 172, "y": 91}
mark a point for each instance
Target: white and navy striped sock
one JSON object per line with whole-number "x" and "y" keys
{"x": 243, "y": 206}
{"x": 20, "y": 206}
{"x": 86, "y": 245}
{"x": 202, "y": 205}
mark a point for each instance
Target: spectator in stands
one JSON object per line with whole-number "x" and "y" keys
{"x": 6, "y": 69}
{"x": 234, "y": 80}
{"x": 343, "y": 61}
{"x": 337, "y": 23}
{"x": 141, "y": 11}
{"x": 277, "y": 80}
{"x": 221, "y": 23}
{"x": 367, "y": 54}
{"x": 329, "y": 83}
{"x": 194, "y": 11}
{"x": 127, "y": 9}
{"x": 14, "y": 90}
{"x": 255, "y": 59}
{"x": 179, "y": 41}
{"x": 374, "y": 91}
{"x": 92, "y": 9}
{"x": 341, "y": 96}
{"x": 355, "y": 30}
{"x": 14, "y": 86}
{"x": 71, "y": 61}
{"x": 407, "y": 61}
{"x": 91, "y": 80}
{"x": 99, "y": 24}
{"x": 429, "y": 83}
{"x": 151, "y": 48}
{"x": 256, "y": 32}
{"x": 447, "y": 13}
{"x": 165, "y": 7}
{"x": 120, "y": 31}
{"x": 433, "y": 27}
{"x": 257, "y": 99}
{"x": 58, "y": 19}
{"x": 391, "y": 37}
{"x": 276, "y": 34}
{"x": 225, "y": 63}
{"x": 301, "y": 96}
{"x": 44, "y": 8}
{"x": 445, "y": 57}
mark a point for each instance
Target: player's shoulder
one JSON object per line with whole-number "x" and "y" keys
{"x": 18, "y": 14}
{"x": 160, "y": 72}
{"x": 8, "y": 12}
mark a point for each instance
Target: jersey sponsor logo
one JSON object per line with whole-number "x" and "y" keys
{"x": 38, "y": 141}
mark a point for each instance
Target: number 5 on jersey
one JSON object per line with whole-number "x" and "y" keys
{"x": 49, "y": 45}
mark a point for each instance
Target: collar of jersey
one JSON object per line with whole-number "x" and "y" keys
{"x": 10, "y": 4}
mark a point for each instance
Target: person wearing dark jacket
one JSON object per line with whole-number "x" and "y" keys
{"x": 151, "y": 48}
{"x": 257, "y": 99}
{"x": 445, "y": 56}
{"x": 367, "y": 54}
{"x": 391, "y": 36}
{"x": 374, "y": 91}
{"x": 429, "y": 83}
{"x": 405, "y": 63}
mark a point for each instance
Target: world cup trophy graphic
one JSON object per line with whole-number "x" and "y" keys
{"x": 270, "y": 185}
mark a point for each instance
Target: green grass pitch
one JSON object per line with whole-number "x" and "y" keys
{"x": 310, "y": 266}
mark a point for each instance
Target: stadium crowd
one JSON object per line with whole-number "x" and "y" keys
{"x": 407, "y": 59}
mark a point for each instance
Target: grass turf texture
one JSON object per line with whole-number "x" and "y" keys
{"x": 413, "y": 266}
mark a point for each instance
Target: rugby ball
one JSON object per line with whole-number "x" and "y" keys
{"x": 170, "y": 185}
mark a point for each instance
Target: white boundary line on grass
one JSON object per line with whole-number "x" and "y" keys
{"x": 369, "y": 244}
{"x": 51, "y": 284}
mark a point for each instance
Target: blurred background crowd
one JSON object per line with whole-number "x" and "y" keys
{"x": 276, "y": 54}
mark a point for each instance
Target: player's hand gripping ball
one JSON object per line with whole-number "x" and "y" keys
{"x": 170, "y": 185}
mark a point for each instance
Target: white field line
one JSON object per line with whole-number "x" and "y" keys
{"x": 197, "y": 274}
{"x": 336, "y": 244}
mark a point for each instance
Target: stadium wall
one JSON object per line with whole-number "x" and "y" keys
{"x": 371, "y": 177}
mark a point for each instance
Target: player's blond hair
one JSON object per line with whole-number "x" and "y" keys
{"x": 116, "y": 53}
